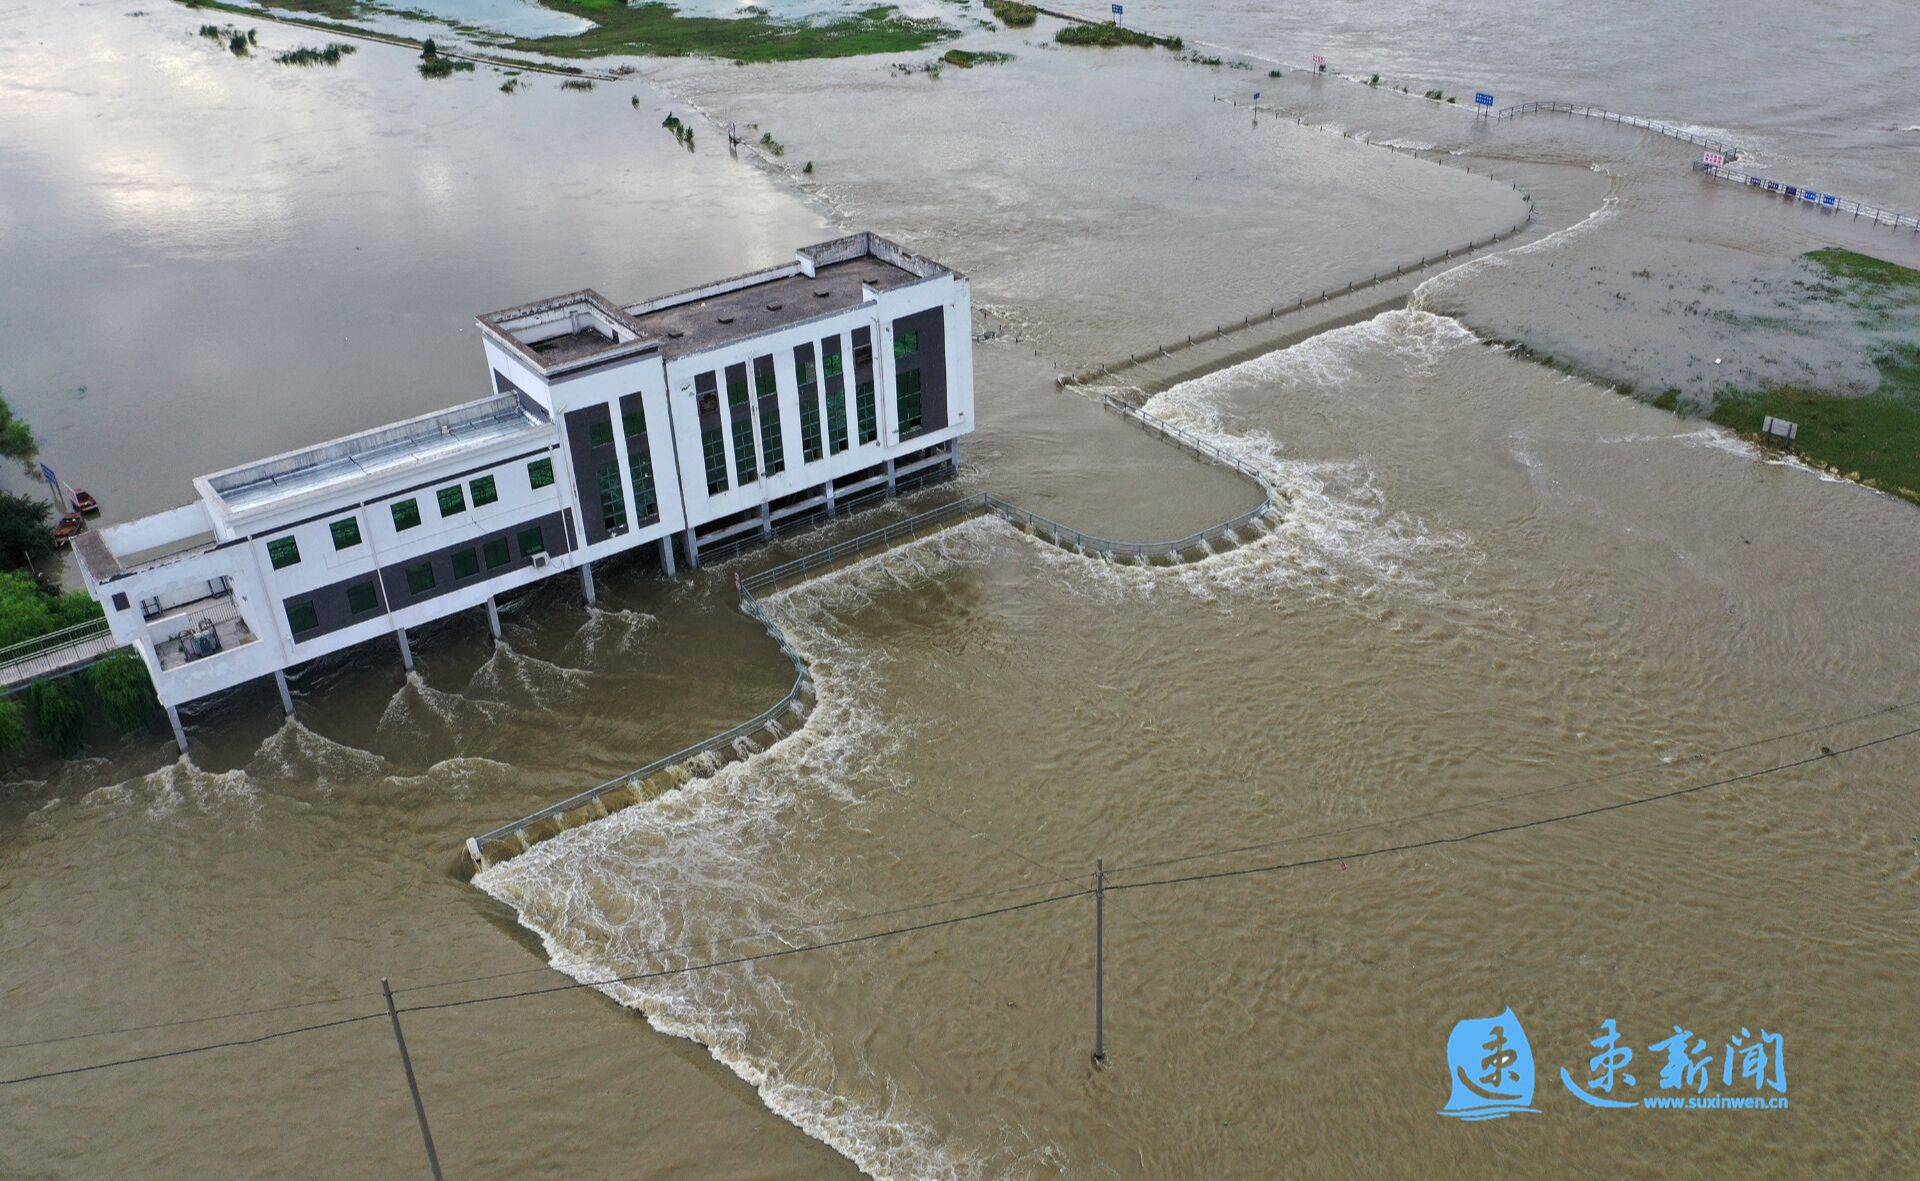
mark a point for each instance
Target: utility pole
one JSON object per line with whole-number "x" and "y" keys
{"x": 419, "y": 1108}
{"x": 1099, "y": 962}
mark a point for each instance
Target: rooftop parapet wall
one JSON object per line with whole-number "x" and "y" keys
{"x": 717, "y": 287}
{"x": 600, "y": 329}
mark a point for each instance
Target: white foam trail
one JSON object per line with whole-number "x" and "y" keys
{"x": 610, "y": 634}
{"x": 701, "y": 863}
{"x": 295, "y": 754}
{"x": 165, "y": 790}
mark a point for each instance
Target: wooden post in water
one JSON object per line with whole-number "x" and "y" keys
{"x": 1099, "y": 962}
{"x": 419, "y": 1108}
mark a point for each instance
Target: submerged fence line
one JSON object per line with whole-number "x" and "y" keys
{"x": 492, "y": 847}
{"x": 1832, "y": 202}
{"x": 1654, "y": 125}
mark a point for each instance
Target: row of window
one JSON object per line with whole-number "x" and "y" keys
{"x": 363, "y": 598}
{"x": 285, "y": 551}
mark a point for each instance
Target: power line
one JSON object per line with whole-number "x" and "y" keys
{"x": 74, "y": 1037}
{"x": 1521, "y": 795}
{"x": 976, "y": 915}
{"x": 567, "y": 987}
{"x": 1506, "y": 828}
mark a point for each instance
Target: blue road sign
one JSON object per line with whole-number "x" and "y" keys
{"x": 46, "y": 473}
{"x": 1119, "y": 9}
{"x": 1482, "y": 99}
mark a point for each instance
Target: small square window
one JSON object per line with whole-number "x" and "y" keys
{"x": 600, "y": 435}
{"x": 540, "y": 473}
{"x": 635, "y": 421}
{"x": 496, "y": 554}
{"x": 420, "y": 578}
{"x": 453, "y": 501}
{"x": 346, "y": 533}
{"x": 532, "y": 542}
{"x": 406, "y": 514}
{"x": 905, "y": 344}
{"x": 283, "y": 552}
{"x": 302, "y": 617}
{"x": 484, "y": 491}
{"x": 362, "y": 598}
{"x": 466, "y": 564}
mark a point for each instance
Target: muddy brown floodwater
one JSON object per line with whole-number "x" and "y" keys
{"x": 1500, "y": 595}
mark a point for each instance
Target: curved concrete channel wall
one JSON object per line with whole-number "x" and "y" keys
{"x": 790, "y": 712}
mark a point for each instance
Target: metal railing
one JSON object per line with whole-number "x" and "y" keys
{"x": 481, "y": 849}
{"x": 57, "y": 653}
{"x": 1654, "y": 125}
{"x": 1812, "y": 197}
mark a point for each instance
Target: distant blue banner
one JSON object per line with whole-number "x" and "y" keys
{"x": 1482, "y": 98}
{"x": 1118, "y": 9}
{"x": 46, "y": 473}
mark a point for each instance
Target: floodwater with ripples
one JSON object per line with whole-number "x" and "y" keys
{"x": 1499, "y": 595}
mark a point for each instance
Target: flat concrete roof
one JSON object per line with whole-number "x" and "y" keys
{"x": 717, "y": 320}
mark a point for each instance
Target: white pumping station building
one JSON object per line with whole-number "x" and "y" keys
{"x": 703, "y": 417}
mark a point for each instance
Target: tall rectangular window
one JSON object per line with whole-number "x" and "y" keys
{"x": 743, "y": 468}
{"x": 453, "y": 501}
{"x": 837, "y": 416}
{"x": 636, "y": 420}
{"x": 346, "y": 533}
{"x": 466, "y": 564}
{"x": 764, "y": 385}
{"x": 484, "y": 491}
{"x": 771, "y": 449}
{"x": 540, "y": 473}
{"x": 869, "y": 413}
{"x": 802, "y": 364}
{"x": 908, "y": 384}
{"x": 646, "y": 500}
{"x": 906, "y": 344}
{"x": 830, "y": 358}
{"x": 302, "y": 617}
{"x": 362, "y": 599}
{"x": 532, "y": 541}
{"x": 613, "y": 499}
{"x": 406, "y": 514}
{"x": 283, "y": 552}
{"x": 495, "y": 553}
{"x": 810, "y": 449}
{"x": 714, "y": 450}
{"x": 420, "y": 578}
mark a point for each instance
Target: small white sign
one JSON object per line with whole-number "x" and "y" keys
{"x": 1780, "y": 428}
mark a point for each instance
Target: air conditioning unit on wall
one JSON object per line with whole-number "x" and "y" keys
{"x": 540, "y": 561}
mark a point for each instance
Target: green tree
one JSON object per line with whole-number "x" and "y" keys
{"x": 16, "y": 438}
{"x": 121, "y": 689}
{"x": 13, "y": 728}
{"x": 58, "y": 714}
{"x": 25, "y": 610}
{"x": 24, "y": 537}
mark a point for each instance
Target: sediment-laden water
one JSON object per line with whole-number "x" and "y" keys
{"x": 1500, "y": 594}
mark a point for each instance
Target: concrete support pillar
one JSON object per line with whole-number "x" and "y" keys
{"x": 586, "y": 581}
{"x": 493, "y": 617}
{"x": 766, "y": 522}
{"x": 830, "y": 506}
{"x": 890, "y": 479}
{"x": 406, "y": 649}
{"x": 179, "y": 731}
{"x": 693, "y": 550}
{"x": 953, "y": 455}
{"x": 666, "y": 555}
{"x": 286, "y": 695}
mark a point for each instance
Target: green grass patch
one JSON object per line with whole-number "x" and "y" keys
{"x": 1014, "y": 16}
{"x": 967, "y": 59}
{"x": 658, "y": 30}
{"x": 1110, "y": 36}
{"x": 328, "y": 55}
{"x": 1876, "y": 438}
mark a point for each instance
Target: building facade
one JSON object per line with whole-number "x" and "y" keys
{"x": 691, "y": 420}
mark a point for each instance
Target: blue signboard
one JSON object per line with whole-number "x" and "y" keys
{"x": 1829, "y": 199}
{"x": 1482, "y": 99}
{"x": 1118, "y": 9}
{"x": 46, "y": 473}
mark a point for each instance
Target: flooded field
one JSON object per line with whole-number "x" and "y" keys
{"x": 1501, "y": 594}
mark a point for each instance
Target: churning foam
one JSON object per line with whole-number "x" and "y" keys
{"x": 673, "y": 882}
